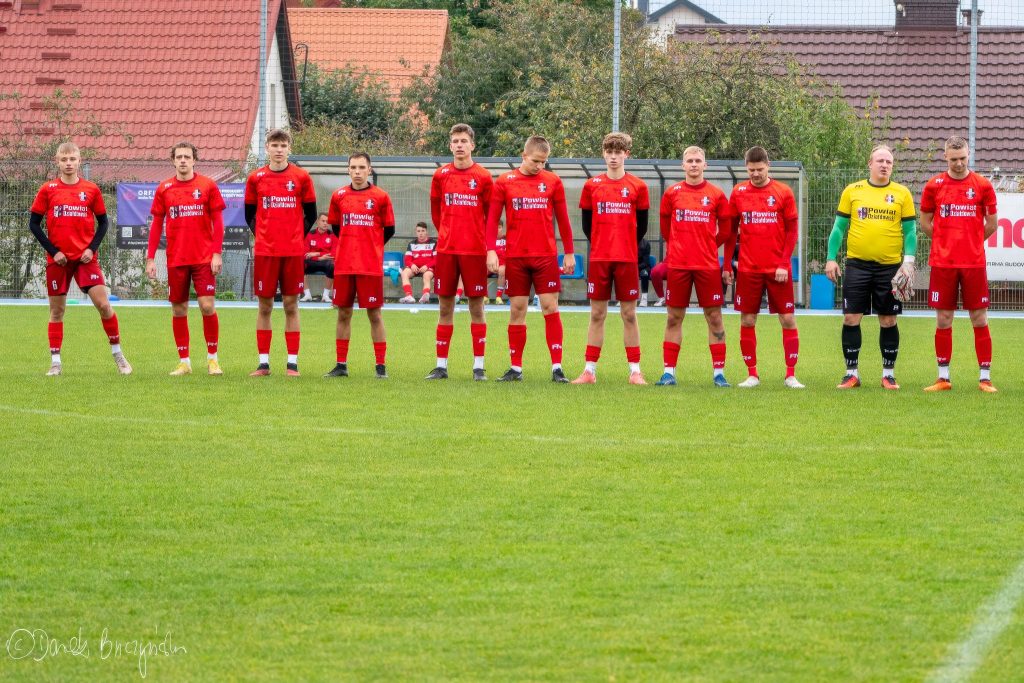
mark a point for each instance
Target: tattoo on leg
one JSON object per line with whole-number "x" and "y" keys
{"x": 720, "y": 336}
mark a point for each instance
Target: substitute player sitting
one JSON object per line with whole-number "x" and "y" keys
{"x": 695, "y": 221}
{"x": 764, "y": 212}
{"x": 419, "y": 259}
{"x": 320, "y": 246}
{"x": 614, "y": 206}
{"x": 191, "y": 208}
{"x": 958, "y": 211}
{"x": 879, "y": 216}
{"x": 499, "y": 248}
{"x": 76, "y": 221}
{"x": 363, "y": 219}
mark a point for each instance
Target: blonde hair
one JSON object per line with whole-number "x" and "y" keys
{"x": 537, "y": 143}
{"x": 880, "y": 148}
{"x": 694, "y": 148}
{"x": 68, "y": 148}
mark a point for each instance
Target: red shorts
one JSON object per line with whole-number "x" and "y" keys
{"x": 750, "y": 287}
{"x": 58, "y": 277}
{"x": 679, "y": 283}
{"x": 944, "y": 283}
{"x": 540, "y": 271}
{"x": 370, "y": 290}
{"x": 472, "y": 268}
{"x": 270, "y": 271}
{"x": 178, "y": 278}
{"x": 625, "y": 275}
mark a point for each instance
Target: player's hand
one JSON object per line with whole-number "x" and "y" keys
{"x": 568, "y": 264}
{"x": 781, "y": 275}
{"x": 832, "y": 271}
{"x": 908, "y": 270}
{"x": 151, "y": 269}
{"x": 727, "y": 277}
{"x": 216, "y": 263}
{"x": 492, "y": 261}
{"x": 60, "y": 259}
{"x": 86, "y": 256}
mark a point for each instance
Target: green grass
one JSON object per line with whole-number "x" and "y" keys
{"x": 305, "y": 529}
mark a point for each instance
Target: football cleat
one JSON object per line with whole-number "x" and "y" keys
{"x": 123, "y": 366}
{"x": 307, "y": 296}
{"x": 262, "y": 370}
{"x": 498, "y": 300}
{"x": 438, "y": 373}
{"x": 407, "y": 299}
{"x": 586, "y": 377}
{"x": 890, "y": 384}
{"x": 292, "y": 370}
{"x": 721, "y": 382}
{"x": 985, "y": 385}
{"x": 667, "y": 380}
{"x": 339, "y": 370}
{"x": 511, "y": 376}
{"x": 182, "y": 369}
{"x": 558, "y": 376}
{"x": 479, "y": 375}
{"x": 660, "y": 302}
{"x": 327, "y": 297}
{"x": 941, "y": 384}
{"x": 793, "y": 383}
{"x": 750, "y": 382}
{"x": 382, "y": 372}
{"x": 849, "y": 382}
{"x": 213, "y": 367}
{"x": 637, "y": 378}
{"x": 425, "y": 299}
{"x": 54, "y": 370}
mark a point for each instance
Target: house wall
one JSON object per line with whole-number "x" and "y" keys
{"x": 276, "y": 105}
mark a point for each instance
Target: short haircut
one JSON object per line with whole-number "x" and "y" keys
{"x": 422, "y": 224}
{"x": 279, "y": 135}
{"x": 756, "y": 155}
{"x": 537, "y": 143}
{"x": 463, "y": 128}
{"x": 617, "y": 142}
{"x": 360, "y": 155}
{"x": 68, "y": 148}
{"x": 182, "y": 145}
{"x": 321, "y": 214}
{"x": 956, "y": 142}
{"x": 694, "y": 148}
{"x": 880, "y": 148}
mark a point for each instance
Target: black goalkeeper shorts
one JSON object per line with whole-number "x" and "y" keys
{"x": 867, "y": 288}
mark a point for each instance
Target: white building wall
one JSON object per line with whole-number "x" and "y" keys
{"x": 277, "y": 108}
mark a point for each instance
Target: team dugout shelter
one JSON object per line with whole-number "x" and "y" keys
{"x": 407, "y": 181}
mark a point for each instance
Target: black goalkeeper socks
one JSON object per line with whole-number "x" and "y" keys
{"x": 889, "y": 343}
{"x": 851, "y": 345}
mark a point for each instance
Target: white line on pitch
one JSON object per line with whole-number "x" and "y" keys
{"x": 992, "y": 619}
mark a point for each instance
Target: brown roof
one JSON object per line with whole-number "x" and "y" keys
{"x": 157, "y": 74}
{"x": 397, "y": 44}
{"x": 921, "y": 78}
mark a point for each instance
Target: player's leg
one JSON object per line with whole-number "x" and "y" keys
{"x": 499, "y": 297}
{"x": 370, "y": 289}
{"x": 211, "y": 333}
{"x": 342, "y": 336}
{"x": 293, "y": 283}
{"x": 56, "y": 289}
{"x": 178, "y": 282}
{"x": 677, "y": 287}
{"x": 428, "y": 282}
{"x": 888, "y": 307}
{"x": 747, "y": 300}
{"x": 328, "y": 282}
{"x": 856, "y": 302}
{"x": 519, "y": 282}
{"x": 943, "y": 291}
{"x": 310, "y": 267}
{"x": 473, "y": 269}
{"x": 658, "y": 275}
{"x": 265, "y": 276}
{"x": 627, "y": 290}
{"x": 974, "y": 287}
{"x": 782, "y": 302}
{"x": 599, "y": 291}
{"x": 710, "y": 296}
{"x": 407, "y": 286}
{"x": 98, "y": 294}
{"x": 547, "y": 283}
{"x": 446, "y": 272}
{"x": 645, "y": 285}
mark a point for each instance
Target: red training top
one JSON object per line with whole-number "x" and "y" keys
{"x": 531, "y": 204}
{"x": 280, "y": 221}
{"x": 70, "y": 212}
{"x": 191, "y": 212}
{"x": 362, "y": 216}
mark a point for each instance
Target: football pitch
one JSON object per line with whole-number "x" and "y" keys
{"x": 303, "y": 529}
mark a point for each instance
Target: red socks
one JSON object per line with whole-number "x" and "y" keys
{"x": 944, "y": 345}
{"x": 341, "y": 350}
{"x": 211, "y": 331}
{"x": 479, "y": 333}
{"x": 748, "y": 347}
{"x": 110, "y": 327}
{"x": 553, "y": 334}
{"x": 380, "y": 351}
{"x": 516, "y": 344}
{"x": 291, "y": 342}
{"x": 444, "y": 339}
{"x": 180, "y": 327}
{"x": 407, "y": 289}
{"x": 983, "y": 346}
{"x": 791, "y": 347}
{"x": 632, "y": 354}
{"x": 717, "y": 355}
{"x": 593, "y": 354}
{"x": 55, "y": 333}
{"x": 263, "y": 338}
{"x": 670, "y": 352}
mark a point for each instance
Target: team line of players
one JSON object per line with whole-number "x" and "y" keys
{"x": 876, "y": 216}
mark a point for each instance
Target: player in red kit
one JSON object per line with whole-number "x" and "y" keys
{"x": 615, "y": 206}
{"x": 191, "y": 208}
{"x": 765, "y": 220}
{"x": 280, "y": 208}
{"x": 499, "y": 249}
{"x": 76, "y": 221}
{"x": 460, "y": 193}
{"x": 363, "y": 219}
{"x": 532, "y": 199}
{"x": 419, "y": 260}
{"x": 319, "y": 259}
{"x": 695, "y": 221}
{"x": 958, "y": 211}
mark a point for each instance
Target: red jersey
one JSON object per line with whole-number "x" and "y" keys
{"x": 70, "y": 212}
{"x": 280, "y": 221}
{"x": 362, "y": 215}
{"x": 614, "y": 204}
{"x": 694, "y": 221}
{"x": 531, "y": 204}
{"x": 186, "y": 208}
{"x": 458, "y": 206}
{"x": 422, "y": 254}
{"x": 959, "y": 208}
{"x": 767, "y": 226}
{"x": 323, "y": 243}
{"x": 499, "y": 249}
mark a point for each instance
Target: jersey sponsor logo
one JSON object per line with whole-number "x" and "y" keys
{"x": 511, "y": 176}
{"x": 275, "y": 202}
{"x": 597, "y": 180}
{"x": 716, "y": 297}
{"x": 984, "y": 299}
{"x": 341, "y": 192}
{"x": 445, "y": 170}
{"x": 529, "y": 203}
{"x": 759, "y": 217}
{"x": 461, "y": 199}
{"x": 692, "y": 216}
{"x": 70, "y": 211}
{"x": 359, "y": 220}
{"x": 186, "y": 211}
{"x": 866, "y": 213}
{"x": 958, "y": 210}
{"x": 619, "y": 208}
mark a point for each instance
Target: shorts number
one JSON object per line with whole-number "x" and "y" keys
{"x": 53, "y": 283}
{"x": 935, "y": 297}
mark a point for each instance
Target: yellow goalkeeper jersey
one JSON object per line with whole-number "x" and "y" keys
{"x": 876, "y": 215}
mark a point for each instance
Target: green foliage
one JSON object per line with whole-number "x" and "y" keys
{"x": 360, "y": 100}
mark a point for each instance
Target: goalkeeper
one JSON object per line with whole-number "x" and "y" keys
{"x": 877, "y": 217}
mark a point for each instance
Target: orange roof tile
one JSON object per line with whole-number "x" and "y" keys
{"x": 395, "y": 43}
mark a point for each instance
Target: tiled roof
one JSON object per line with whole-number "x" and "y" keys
{"x": 150, "y": 73}
{"x": 921, "y": 78}
{"x": 395, "y": 43}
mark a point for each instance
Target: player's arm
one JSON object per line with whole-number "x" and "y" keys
{"x": 789, "y": 240}
{"x": 216, "y": 260}
{"x": 565, "y": 233}
{"x": 909, "y": 227}
{"x": 730, "y": 251}
{"x": 927, "y": 223}
{"x": 641, "y": 224}
{"x": 102, "y": 224}
{"x": 389, "y": 232}
{"x": 435, "y": 211}
{"x": 35, "y": 226}
{"x": 991, "y": 224}
{"x": 491, "y": 234}
{"x": 156, "y": 229}
{"x": 835, "y": 241}
{"x": 665, "y": 219}
{"x": 724, "y": 230}
{"x": 587, "y": 217}
{"x": 250, "y": 216}
{"x": 309, "y": 216}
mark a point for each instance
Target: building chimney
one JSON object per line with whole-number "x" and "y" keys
{"x": 966, "y": 14}
{"x": 926, "y": 15}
